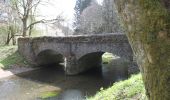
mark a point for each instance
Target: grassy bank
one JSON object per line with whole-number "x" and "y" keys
{"x": 131, "y": 89}
{"x": 9, "y": 57}
{"x": 108, "y": 57}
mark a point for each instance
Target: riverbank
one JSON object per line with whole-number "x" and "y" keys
{"x": 14, "y": 71}
{"x": 10, "y": 58}
{"x": 11, "y": 62}
{"x": 130, "y": 89}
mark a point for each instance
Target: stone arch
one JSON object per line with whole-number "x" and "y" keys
{"x": 122, "y": 50}
{"x": 90, "y": 60}
{"x": 49, "y": 56}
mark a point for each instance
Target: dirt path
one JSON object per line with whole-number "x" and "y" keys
{"x": 13, "y": 71}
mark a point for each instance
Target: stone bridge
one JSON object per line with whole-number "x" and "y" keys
{"x": 79, "y": 53}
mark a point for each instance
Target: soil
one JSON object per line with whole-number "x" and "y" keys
{"x": 14, "y": 70}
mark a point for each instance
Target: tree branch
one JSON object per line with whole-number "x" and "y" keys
{"x": 45, "y": 21}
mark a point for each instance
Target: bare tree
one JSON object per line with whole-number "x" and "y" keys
{"x": 99, "y": 19}
{"x": 8, "y": 20}
{"x": 91, "y": 19}
{"x": 26, "y": 10}
{"x": 79, "y": 7}
{"x": 110, "y": 18}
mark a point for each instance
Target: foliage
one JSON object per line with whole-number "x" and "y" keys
{"x": 91, "y": 19}
{"x": 107, "y": 57}
{"x": 8, "y": 23}
{"x": 79, "y": 7}
{"x": 97, "y": 18}
{"x": 3, "y": 29}
{"x": 110, "y": 17}
{"x": 131, "y": 89}
{"x": 3, "y": 35}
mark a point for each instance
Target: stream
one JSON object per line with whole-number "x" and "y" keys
{"x": 34, "y": 85}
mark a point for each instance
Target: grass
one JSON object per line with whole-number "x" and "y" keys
{"x": 49, "y": 94}
{"x": 131, "y": 89}
{"x": 108, "y": 57}
{"x": 9, "y": 57}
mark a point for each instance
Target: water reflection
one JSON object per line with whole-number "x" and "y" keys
{"x": 30, "y": 85}
{"x": 71, "y": 95}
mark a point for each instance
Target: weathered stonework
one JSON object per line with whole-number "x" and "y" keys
{"x": 80, "y": 52}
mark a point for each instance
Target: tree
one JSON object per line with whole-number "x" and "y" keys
{"x": 23, "y": 8}
{"x": 26, "y": 10}
{"x": 147, "y": 24}
{"x": 59, "y": 28}
{"x": 91, "y": 19}
{"x": 97, "y": 18}
{"x": 110, "y": 24}
{"x": 8, "y": 21}
{"x": 79, "y": 7}
{"x": 3, "y": 22}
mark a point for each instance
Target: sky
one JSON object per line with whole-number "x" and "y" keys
{"x": 60, "y": 7}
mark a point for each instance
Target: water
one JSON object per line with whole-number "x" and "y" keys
{"x": 31, "y": 85}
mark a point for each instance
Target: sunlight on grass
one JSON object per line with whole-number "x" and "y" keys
{"x": 108, "y": 57}
{"x": 131, "y": 89}
{"x": 10, "y": 56}
{"x": 1, "y": 65}
{"x": 6, "y": 51}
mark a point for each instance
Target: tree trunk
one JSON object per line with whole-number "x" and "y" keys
{"x": 24, "y": 21}
{"x": 9, "y": 35}
{"x": 13, "y": 40}
{"x": 30, "y": 30}
{"x": 8, "y": 39}
{"x": 147, "y": 23}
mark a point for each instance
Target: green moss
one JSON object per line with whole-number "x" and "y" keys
{"x": 154, "y": 18}
{"x": 49, "y": 94}
{"x": 146, "y": 19}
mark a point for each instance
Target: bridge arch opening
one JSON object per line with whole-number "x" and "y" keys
{"x": 91, "y": 59}
{"x": 49, "y": 57}
{"x": 105, "y": 63}
{"x": 90, "y": 62}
